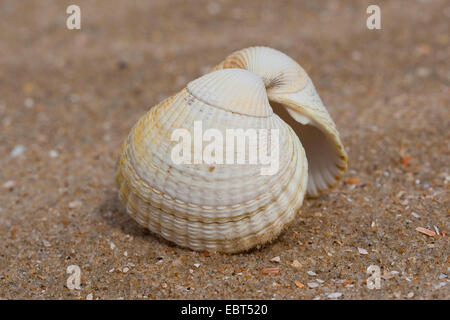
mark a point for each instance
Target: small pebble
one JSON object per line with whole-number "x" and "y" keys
{"x": 9, "y": 184}
{"x": 406, "y": 161}
{"x": 352, "y": 181}
{"x": 320, "y": 280}
{"x": 270, "y": 270}
{"x": 17, "y": 151}
{"x": 362, "y": 251}
{"x": 108, "y": 214}
{"x": 439, "y": 285}
{"x": 75, "y": 204}
{"x": 46, "y": 243}
{"x": 112, "y": 245}
{"x": 53, "y": 154}
{"x": 89, "y": 296}
{"x": 296, "y": 264}
{"x": 387, "y": 275}
{"x": 125, "y": 270}
{"x": 410, "y": 295}
{"x": 415, "y": 215}
{"x": 275, "y": 259}
{"x": 313, "y": 285}
{"x": 335, "y": 295}
{"x": 311, "y": 273}
{"x": 125, "y": 253}
{"x": 28, "y": 103}
{"x": 196, "y": 265}
{"x": 442, "y": 276}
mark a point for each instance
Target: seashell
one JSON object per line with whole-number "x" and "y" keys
{"x": 227, "y": 207}
{"x": 293, "y": 97}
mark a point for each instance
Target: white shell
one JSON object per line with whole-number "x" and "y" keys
{"x": 225, "y": 207}
{"x": 292, "y": 95}
{"x": 237, "y": 91}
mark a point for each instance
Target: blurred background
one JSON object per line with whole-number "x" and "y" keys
{"x": 68, "y": 98}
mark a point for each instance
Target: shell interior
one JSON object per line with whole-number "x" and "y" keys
{"x": 293, "y": 97}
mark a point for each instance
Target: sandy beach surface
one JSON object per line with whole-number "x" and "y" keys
{"x": 68, "y": 98}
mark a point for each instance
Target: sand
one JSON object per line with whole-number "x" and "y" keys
{"x": 68, "y": 98}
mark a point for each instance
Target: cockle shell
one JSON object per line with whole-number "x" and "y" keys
{"x": 224, "y": 207}
{"x": 294, "y": 98}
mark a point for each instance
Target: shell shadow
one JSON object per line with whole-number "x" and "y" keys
{"x": 114, "y": 214}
